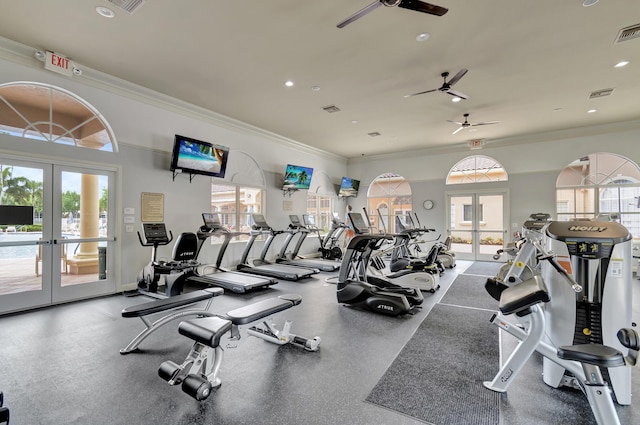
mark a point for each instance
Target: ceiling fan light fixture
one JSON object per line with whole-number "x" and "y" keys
{"x": 288, "y": 83}
{"x": 456, "y": 99}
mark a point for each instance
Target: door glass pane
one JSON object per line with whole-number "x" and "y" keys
{"x": 461, "y": 241}
{"x": 491, "y": 225}
{"x": 20, "y": 223}
{"x": 84, "y": 207}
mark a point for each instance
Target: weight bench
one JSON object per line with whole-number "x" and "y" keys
{"x": 198, "y": 374}
{"x": 168, "y": 304}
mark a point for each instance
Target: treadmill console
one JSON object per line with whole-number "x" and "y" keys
{"x": 211, "y": 220}
{"x": 260, "y": 222}
{"x": 155, "y": 233}
{"x": 308, "y": 220}
{"x": 295, "y": 221}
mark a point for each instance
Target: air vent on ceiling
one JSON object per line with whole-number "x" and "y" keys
{"x": 331, "y": 109}
{"x": 129, "y": 6}
{"x": 628, "y": 33}
{"x": 374, "y": 134}
{"x": 600, "y": 93}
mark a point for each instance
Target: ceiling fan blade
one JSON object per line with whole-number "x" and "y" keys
{"x": 485, "y": 123}
{"x": 458, "y": 94}
{"x": 456, "y": 122}
{"x": 420, "y": 6}
{"x": 457, "y": 77}
{"x": 359, "y": 14}
{"x": 419, "y": 93}
{"x": 459, "y": 128}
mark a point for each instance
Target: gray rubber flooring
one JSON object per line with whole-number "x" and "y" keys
{"x": 61, "y": 365}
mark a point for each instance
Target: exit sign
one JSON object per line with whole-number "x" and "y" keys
{"x": 58, "y": 63}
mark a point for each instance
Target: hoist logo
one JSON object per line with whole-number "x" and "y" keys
{"x": 587, "y": 228}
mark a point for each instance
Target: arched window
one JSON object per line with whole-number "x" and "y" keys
{"x": 600, "y": 185}
{"x": 476, "y": 169}
{"x": 51, "y": 114}
{"x": 389, "y": 195}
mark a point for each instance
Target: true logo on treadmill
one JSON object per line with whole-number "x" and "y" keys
{"x": 587, "y": 228}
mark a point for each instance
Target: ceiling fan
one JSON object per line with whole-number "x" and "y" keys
{"x": 446, "y": 85}
{"x": 417, "y": 5}
{"x": 467, "y": 124}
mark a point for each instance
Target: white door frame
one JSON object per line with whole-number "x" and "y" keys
{"x": 475, "y": 230}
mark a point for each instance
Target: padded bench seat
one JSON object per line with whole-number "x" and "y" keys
{"x": 595, "y": 354}
{"x": 206, "y": 330}
{"x": 520, "y": 297}
{"x": 260, "y": 309}
{"x": 181, "y": 300}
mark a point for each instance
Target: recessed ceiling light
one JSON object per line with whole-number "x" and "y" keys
{"x": 315, "y": 88}
{"x": 557, "y": 109}
{"x": 354, "y": 121}
{"x": 587, "y": 3}
{"x": 105, "y": 12}
{"x": 621, "y": 64}
{"x": 288, "y": 83}
{"x": 423, "y": 36}
{"x": 456, "y": 99}
{"x": 591, "y": 111}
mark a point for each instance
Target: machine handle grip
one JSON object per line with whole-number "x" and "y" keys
{"x": 574, "y": 285}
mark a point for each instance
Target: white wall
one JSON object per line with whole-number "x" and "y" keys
{"x": 145, "y": 123}
{"x": 532, "y": 165}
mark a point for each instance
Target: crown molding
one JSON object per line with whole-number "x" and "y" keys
{"x": 24, "y": 55}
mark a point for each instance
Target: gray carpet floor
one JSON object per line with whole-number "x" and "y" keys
{"x": 61, "y": 365}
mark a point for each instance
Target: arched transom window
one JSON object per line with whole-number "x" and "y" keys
{"x": 51, "y": 114}
{"x": 389, "y": 196}
{"x": 476, "y": 169}
{"x": 603, "y": 186}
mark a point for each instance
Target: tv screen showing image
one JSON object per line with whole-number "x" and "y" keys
{"x": 349, "y": 187}
{"x": 198, "y": 157}
{"x": 296, "y": 177}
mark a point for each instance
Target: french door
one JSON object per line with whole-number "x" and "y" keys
{"x": 55, "y": 235}
{"x": 477, "y": 223}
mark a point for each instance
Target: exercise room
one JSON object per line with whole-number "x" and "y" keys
{"x": 376, "y": 212}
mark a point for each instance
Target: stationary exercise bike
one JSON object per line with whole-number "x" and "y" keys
{"x": 176, "y": 271}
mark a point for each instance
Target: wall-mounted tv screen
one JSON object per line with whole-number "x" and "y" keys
{"x": 197, "y": 157}
{"x": 296, "y": 177}
{"x": 349, "y": 187}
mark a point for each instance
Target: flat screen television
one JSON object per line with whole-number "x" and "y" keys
{"x": 197, "y": 157}
{"x": 349, "y": 187}
{"x": 296, "y": 177}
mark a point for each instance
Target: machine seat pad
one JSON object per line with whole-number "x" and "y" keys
{"x": 181, "y": 300}
{"x": 595, "y": 354}
{"x": 520, "y": 297}
{"x": 206, "y": 330}
{"x": 255, "y": 311}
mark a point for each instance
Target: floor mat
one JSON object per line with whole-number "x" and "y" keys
{"x": 438, "y": 375}
{"x": 468, "y": 291}
{"x": 484, "y": 268}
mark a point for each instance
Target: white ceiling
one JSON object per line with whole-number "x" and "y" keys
{"x": 532, "y": 63}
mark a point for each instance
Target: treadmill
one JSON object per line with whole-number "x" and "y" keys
{"x": 263, "y": 267}
{"x": 217, "y": 276}
{"x": 296, "y": 228}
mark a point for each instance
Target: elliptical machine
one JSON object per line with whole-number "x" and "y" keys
{"x": 379, "y": 295}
